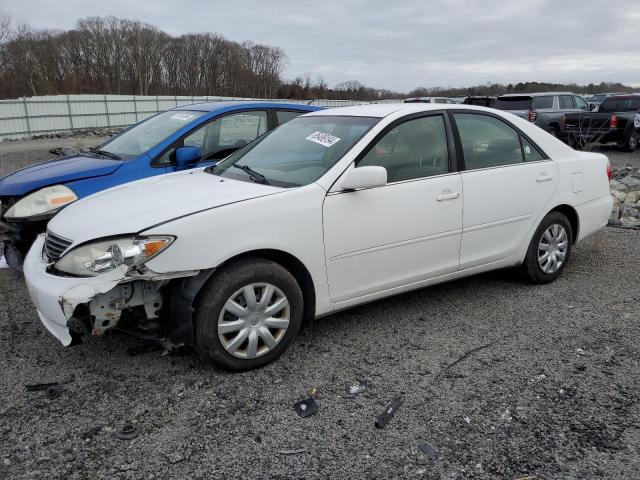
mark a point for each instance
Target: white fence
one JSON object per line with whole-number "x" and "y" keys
{"x": 27, "y": 117}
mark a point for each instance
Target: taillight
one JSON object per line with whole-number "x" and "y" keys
{"x": 614, "y": 122}
{"x": 533, "y": 115}
{"x": 609, "y": 170}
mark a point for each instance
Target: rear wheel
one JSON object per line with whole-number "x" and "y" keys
{"x": 553, "y": 131}
{"x": 248, "y": 314}
{"x": 549, "y": 249}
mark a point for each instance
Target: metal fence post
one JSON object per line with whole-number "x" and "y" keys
{"x": 70, "y": 115}
{"x": 26, "y": 116}
{"x": 175, "y": 99}
{"x": 135, "y": 107}
{"x": 106, "y": 109}
{"x": 157, "y": 105}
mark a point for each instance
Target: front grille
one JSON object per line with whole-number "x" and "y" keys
{"x": 55, "y": 246}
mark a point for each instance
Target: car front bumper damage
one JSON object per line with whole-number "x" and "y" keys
{"x": 65, "y": 304}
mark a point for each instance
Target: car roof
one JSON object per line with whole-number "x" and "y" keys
{"x": 240, "y": 105}
{"x": 381, "y": 110}
{"x": 623, "y": 95}
{"x": 536, "y": 94}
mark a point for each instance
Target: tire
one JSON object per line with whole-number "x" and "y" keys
{"x": 630, "y": 143}
{"x": 554, "y": 132}
{"x": 533, "y": 268}
{"x": 212, "y": 312}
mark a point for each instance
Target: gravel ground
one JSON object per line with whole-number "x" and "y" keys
{"x": 504, "y": 380}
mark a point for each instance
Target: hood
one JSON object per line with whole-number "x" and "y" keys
{"x": 134, "y": 207}
{"x": 55, "y": 172}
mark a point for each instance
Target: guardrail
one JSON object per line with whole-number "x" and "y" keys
{"x": 31, "y": 116}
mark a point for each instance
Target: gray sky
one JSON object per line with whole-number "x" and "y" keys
{"x": 403, "y": 44}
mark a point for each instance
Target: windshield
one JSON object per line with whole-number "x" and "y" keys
{"x": 296, "y": 153}
{"x": 145, "y": 135}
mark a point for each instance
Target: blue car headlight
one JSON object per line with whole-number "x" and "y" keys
{"x": 43, "y": 201}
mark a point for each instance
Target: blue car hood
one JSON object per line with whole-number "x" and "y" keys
{"x": 55, "y": 172}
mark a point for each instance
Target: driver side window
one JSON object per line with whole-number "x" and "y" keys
{"x": 219, "y": 138}
{"x": 414, "y": 149}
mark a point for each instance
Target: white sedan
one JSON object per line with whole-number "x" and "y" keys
{"x": 331, "y": 210}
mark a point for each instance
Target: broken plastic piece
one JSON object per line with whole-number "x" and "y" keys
{"x": 53, "y": 391}
{"x": 306, "y": 408}
{"x": 428, "y": 451}
{"x": 388, "y": 413}
{"x": 292, "y": 452}
{"x": 127, "y": 432}
{"x": 313, "y": 391}
{"x": 35, "y": 387}
{"x": 352, "y": 391}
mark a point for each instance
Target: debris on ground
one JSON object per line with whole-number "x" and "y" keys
{"x": 3, "y": 263}
{"x": 428, "y": 451}
{"x": 292, "y": 452}
{"x": 312, "y": 391}
{"x": 580, "y": 351}
{"x": 36, "y": 387}
{"x": 127, "y": 432}
{"x": 306, "y": 408}
{"x": 386, "y": 416}
{"x": 51, "y": 390}
{"x": 352, "y": 391}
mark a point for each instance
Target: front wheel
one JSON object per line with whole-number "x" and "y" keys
{"x": 248, "y": 314}
{"x": 549, "y": 249}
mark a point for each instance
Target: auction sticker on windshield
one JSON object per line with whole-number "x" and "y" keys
{"x": 324, "y": 139}
{"x": 182, "y": 116}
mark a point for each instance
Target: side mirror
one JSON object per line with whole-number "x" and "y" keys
{"x": 365, "y": 177}
{"x": 185, "y": 156}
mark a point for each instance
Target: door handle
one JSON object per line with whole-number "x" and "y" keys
{"x": 447, "y": 196}
{"x": 544, "y": 178}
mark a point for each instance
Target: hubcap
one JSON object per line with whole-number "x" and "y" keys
{"x": 254, "y": 320}
{"x": 552, "y": 249}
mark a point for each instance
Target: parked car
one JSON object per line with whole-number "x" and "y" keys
{"x": 596, "y": 99}
{"x": 616, "y": 120}
{"x": 331, "y": 210}
{"x": 483, "y": 101}
{"x": 174, "y": 140}
{"x": 543, "y": 109}
{"x": 430, "y": 100}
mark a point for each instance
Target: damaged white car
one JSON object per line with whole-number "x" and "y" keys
{"x": 330, "y": 210}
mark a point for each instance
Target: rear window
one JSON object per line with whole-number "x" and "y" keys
{"x": 513, "y": 103}
{"x": 634, "y": 104}
{"x": 542, "y": 102}
{"x": 613, "y": 104}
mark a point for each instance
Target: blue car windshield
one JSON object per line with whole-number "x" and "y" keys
{"x": 146, "y": 135}
{"x": 296, "y": 153}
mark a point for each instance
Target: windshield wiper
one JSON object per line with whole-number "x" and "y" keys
{"x": 107, "y": 154}
{"x": 258, "y": 177}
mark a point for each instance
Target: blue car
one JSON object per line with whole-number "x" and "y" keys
{"x": 185, "y": 137}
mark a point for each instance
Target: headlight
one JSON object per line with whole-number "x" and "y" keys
{"x": 106, "y": 255}
{"x": 43, "y": 201}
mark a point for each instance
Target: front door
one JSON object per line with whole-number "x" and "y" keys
{"x": 404, "y": 232}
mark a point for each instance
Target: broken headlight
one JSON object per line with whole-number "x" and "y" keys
{"x": 44, "y": 201}
{"x": 106, "y": 255}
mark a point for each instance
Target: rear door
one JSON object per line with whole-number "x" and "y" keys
{"x": 507, "y": 181}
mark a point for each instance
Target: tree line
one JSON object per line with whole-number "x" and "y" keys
{"x": 109, "y": 55}
{"x": 118, "y": 56}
